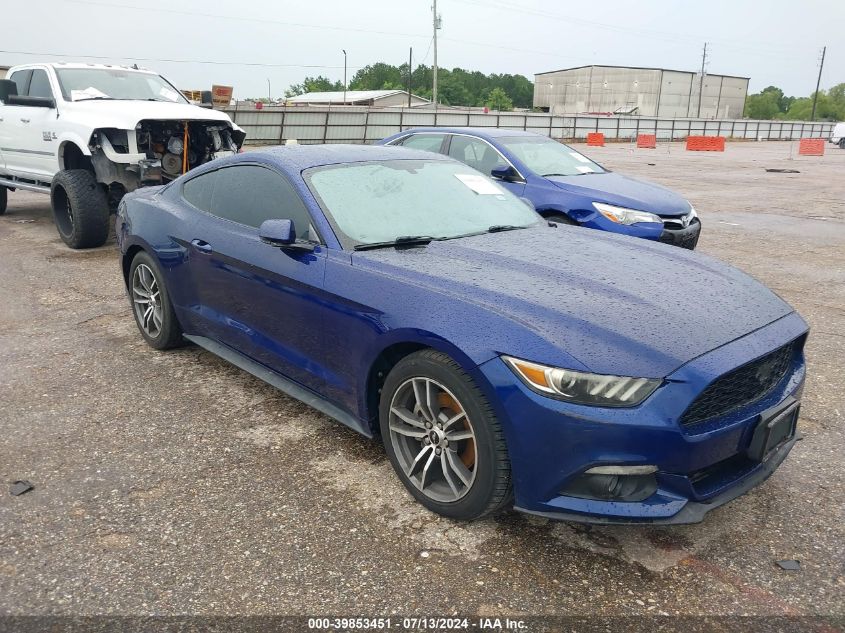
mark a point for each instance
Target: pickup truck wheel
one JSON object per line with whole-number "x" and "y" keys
{"x": 4, "y": 195}
{"x": 80, "y": 208}
{"x": 842, "y": 143}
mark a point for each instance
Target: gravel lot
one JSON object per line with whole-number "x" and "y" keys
{"x": 174, "y": 483}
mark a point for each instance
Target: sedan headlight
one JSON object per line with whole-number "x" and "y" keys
{"x": 621, "y": 215}
{"x": 692, "y": 212}
{"x": 581, "y": 387}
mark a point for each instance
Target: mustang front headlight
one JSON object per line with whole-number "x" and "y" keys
{"x": 621, "y": 215}
{"x": 581, "y": 387}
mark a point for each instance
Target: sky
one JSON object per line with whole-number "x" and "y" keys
{"x": 252, "y": 44}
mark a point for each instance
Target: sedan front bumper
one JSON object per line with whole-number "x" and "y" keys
{"x": 684, "y": 237}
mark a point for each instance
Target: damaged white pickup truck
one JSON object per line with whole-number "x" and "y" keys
{"x": 87, "y": 134}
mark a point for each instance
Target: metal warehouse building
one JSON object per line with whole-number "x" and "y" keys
{"x": 642, "y": 91}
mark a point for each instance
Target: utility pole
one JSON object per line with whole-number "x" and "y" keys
{"x": 818, "y": 82}
{"x": 701, "y": 82}
{"x": 269, "y": 92}
{"x": 344, "y": 75}
{"x": 436, "y": 27}
{"x": 410, "y": 73}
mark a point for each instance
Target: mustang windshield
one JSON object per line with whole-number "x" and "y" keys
{"x": 80, "y": 84}
{"x": 549, "y": 158}
{"x": 382, "y": 201}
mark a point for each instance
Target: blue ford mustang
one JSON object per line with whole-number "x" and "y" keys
{"x": 564, "y": 185}
{"x": 501, "y": 359}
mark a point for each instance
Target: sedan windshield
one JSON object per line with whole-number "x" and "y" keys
{"x": 383, "y": 201}
{"x": 82, "y": 84}
{"x": 546, "y": 157}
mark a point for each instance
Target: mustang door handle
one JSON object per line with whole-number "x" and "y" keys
{"x": 202, "y": 247}
{"x": 25, "y": 120}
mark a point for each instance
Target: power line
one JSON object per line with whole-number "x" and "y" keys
{"x": 320, "y": 27}
{"x": 174, "y": 61}
{"x": 674, "y": 35}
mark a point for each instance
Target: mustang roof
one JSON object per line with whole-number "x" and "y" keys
{"x": 482, "y": 132}
{"x": 299, "y": 157}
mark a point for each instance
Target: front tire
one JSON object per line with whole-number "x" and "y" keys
{"x": 151, "y": 305}
{"x": 80, "y": 209}
{"x": 4, "y": 198}
{"x": 443, "y": 438}
{"x": 842, "y": 143}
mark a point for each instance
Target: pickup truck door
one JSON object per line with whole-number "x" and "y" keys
{"x": 29, "y": 146}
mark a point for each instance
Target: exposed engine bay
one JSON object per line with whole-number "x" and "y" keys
{"x": 156, "y": 152}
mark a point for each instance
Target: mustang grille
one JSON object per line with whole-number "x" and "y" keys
{"x": 740, "y": 387}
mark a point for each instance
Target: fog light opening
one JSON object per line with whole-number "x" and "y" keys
{"x": 614, "y": 483}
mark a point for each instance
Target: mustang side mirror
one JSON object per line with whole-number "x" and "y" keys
{"x": 277, "y": 232}
{"x": 282, "y": 233}
{"x": 506, "y": 173}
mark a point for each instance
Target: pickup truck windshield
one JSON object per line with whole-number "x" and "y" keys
{"x": 81, "y": 84}
{"x": 546, "y": 157}
{"x": 382, "y": 201}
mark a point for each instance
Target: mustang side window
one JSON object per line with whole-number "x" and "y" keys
{"x": 198, "y": 190}
{"x": 250, "y": 194}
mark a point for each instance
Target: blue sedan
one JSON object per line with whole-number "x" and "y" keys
{"x": 564, "y": 185}
{"x": 502, "y": 360}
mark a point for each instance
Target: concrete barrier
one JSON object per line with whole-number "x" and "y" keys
{"x": 706, "y": 143}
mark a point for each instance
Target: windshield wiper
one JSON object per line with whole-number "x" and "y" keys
{"x": 402, "y": 240}
{"x": 97, "y": 99}
{"x": 498, "y": 228}
{"x": 547, "y": 175}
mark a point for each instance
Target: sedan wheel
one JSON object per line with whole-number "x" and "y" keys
{"x": 433, "y": 439}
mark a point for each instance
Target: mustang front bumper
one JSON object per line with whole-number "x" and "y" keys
{"x": 553, "y": 444}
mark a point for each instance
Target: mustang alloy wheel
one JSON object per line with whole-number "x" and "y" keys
{"x": 146, "y": 298}
{"x": 433, "y": 439}
{"x": 151, "y": 305}
{"x": 443, "y": 438}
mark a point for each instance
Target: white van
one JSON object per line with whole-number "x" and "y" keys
{"x": 838, "y": 136}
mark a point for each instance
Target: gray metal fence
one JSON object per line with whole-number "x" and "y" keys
{"x": 363, "y": 125}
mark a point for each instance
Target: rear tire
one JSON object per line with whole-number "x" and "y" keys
{"x": 559, "y": 218}
{"x": 443, "y": 438}
{"x": 151, "y": 305}
{"x": 80, "y": 209}
{"x": 842, "y": 143}
{"x": 4, "y": 197}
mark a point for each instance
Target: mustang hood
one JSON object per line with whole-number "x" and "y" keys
{"x": 616, "y": 305}
{"x": 623, "y": 191}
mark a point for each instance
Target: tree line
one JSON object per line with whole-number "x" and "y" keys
{"x": 456, "y": 87}
{"x": 772, "y": 103}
